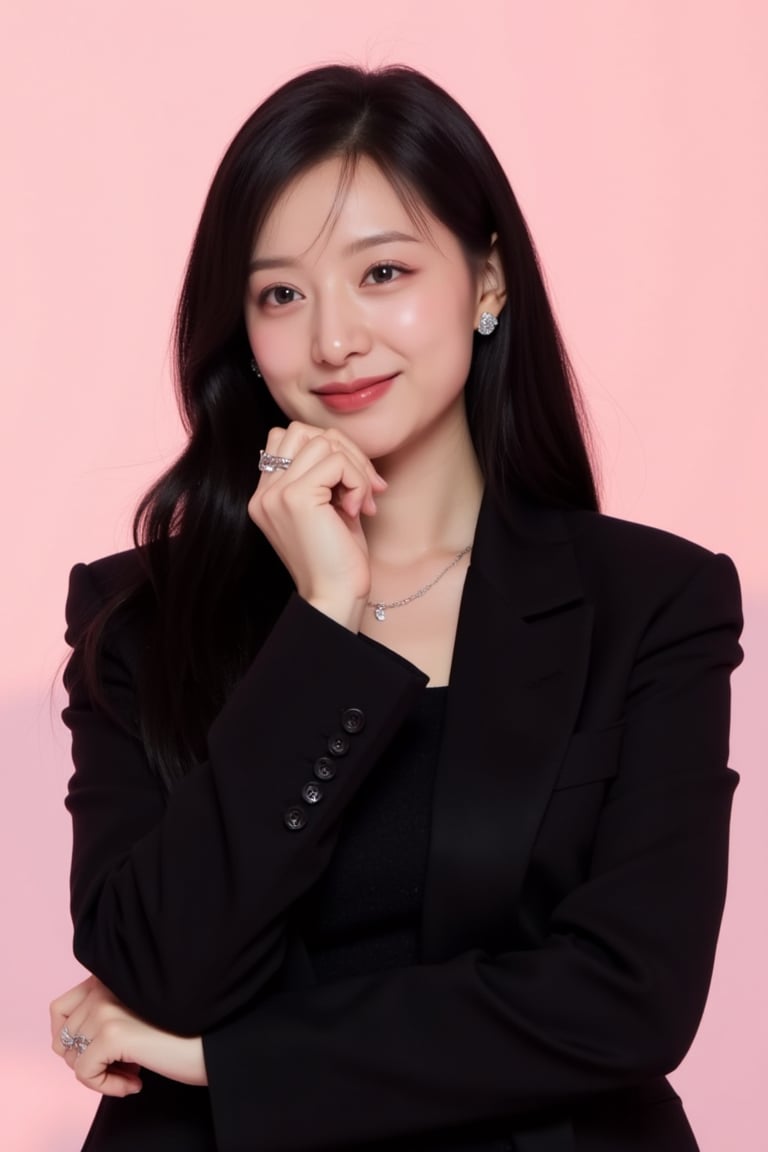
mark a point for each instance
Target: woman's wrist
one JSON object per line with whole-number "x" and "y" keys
{"x": 181, "y": 1058}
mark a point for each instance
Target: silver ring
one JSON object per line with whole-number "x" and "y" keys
{"x": 66, "y": 1038}
{"x": 68, "y": 1041}
{"x": 270, "y": 463}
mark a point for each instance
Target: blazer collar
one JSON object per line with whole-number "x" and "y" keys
{"x": 517, "y": 677}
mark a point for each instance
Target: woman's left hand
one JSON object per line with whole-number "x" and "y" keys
{"x": 106, "y": 1046}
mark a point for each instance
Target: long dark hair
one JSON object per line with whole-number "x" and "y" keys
{"x": 199, "y": 586}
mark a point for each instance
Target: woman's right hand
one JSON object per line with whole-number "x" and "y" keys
{"x": 115, "y": 1044}
{"x": 310, "y": 513}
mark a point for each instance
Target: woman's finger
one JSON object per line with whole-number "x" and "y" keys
{"x": 70, "y": 1011}
{"x": 291, "y": 443}
{"x": 100, "y": 1068}
{"x": 336, "y": 437}
{"x": 66, "y": 1035}
{"x": 63, "y": 1006}
{"x": 74, "y": 1037}
{"x": 328, "y": 475}
{"x": 346, "y": 478}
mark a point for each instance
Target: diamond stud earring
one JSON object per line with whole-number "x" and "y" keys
{"x": 488, "y": 322}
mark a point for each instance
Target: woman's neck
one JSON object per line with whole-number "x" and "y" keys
{"x": 432, "y": 499}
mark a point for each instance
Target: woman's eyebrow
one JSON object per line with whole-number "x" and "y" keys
{"x": 356, "y": 246}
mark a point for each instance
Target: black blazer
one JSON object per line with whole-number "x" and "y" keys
{"x": 576, "y": 872}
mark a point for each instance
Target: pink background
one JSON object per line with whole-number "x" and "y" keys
{"x": 635, "y": 136}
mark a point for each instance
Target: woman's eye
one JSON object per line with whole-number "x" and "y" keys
{"x": 280, "y": 294}
{"x": 385, "y": 273}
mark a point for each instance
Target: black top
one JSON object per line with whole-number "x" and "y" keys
{"x": 363, "y": 914}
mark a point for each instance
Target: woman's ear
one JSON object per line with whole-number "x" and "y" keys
{"x": 492, "y": 288}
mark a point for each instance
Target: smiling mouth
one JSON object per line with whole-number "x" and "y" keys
{"x": 355, "y": 395}
{"x": 363, "y": 384}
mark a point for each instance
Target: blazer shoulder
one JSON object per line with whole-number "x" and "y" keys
{"x": 642, "y": 561}
{"x": 612, "y": 537}
{"x": 109, "y": 574}
{"x": 93, "y": 585}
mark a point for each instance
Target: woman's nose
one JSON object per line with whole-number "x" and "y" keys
{"x": 339, "y": 330}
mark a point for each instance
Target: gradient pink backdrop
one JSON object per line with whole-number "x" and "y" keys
{"x": 635, "y": 136}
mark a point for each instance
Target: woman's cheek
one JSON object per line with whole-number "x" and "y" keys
{"x": 428, "y": 316}
{"x": 281, "y": 358}
{"x": 406, "y": 316}
{"x": 281, "y": 393}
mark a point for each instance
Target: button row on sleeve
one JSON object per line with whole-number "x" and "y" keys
{"x": 324, "y": 768}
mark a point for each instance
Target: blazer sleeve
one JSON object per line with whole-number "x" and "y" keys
{"x": 612, "y": 996}
{"x": 180, "y": 900}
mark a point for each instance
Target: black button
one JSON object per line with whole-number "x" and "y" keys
{"x": 325, "y": 769}
{"x": 352, "y": 720}
{"x": 338, "y": 745}
{"x": 312, "y": 792}
{"x": 295, "y": 819}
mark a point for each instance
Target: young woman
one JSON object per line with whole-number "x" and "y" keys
{"x": 400, "y": 798}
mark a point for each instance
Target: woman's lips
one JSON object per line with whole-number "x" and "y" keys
{"x": 352, "y": 398}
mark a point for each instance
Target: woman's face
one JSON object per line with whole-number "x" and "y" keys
{"x": 357, "y": 318}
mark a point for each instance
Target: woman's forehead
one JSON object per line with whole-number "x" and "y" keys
{"x": 341, "y": 200}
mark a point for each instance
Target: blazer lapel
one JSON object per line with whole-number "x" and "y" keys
{"x": 517, "y": 677}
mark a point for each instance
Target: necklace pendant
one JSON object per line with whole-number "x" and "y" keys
{"x": 378, "y": 611}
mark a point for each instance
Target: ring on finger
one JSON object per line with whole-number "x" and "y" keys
{"x": 68, "y": 1041}
{"x": 270, "y": 463}
{"x": 66, "y": 1038}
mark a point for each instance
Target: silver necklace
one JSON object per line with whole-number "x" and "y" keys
{"x": 380, "y": 609}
